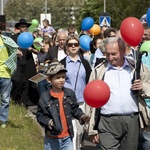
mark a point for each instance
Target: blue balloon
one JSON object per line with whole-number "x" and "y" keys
{"x": 148, "y": 16}
{"x": 87, "y": 23}
{"x": 25, "y": 40}
{"x": 85, "y": 42}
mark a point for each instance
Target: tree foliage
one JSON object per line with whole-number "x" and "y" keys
{"x": 17, "y": 9}
{"x": 61, "y": 10}
{"x": 31, "y": 9}
{"x": 118, "y": 9}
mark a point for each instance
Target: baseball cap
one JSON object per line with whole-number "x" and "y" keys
{"x": 54, "y": 68}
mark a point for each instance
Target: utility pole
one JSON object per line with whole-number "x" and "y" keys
{"x": 45, "y": 9}
{"x": 104, "y": 19}
{"x": 1, "y": 9}
{"x": 104, "y": 6}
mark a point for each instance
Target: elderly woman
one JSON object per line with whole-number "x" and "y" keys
{"x": 77, "y": 76}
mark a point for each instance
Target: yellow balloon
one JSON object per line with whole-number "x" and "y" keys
{"x": 95, "y": 30}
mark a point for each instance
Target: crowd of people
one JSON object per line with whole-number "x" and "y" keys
{"x": 58, "y": 101}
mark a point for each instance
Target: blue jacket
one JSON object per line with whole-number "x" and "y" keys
{"x": 48, "y": 108}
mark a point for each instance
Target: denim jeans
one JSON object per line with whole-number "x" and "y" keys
{"x": 43, "y": 86}
{"x": 144, "y": 143}
{"x": 5, "y": 88}
{"x": 58, "y": 144}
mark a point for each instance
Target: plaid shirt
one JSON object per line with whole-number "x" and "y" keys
{"x": 12, "y": 59}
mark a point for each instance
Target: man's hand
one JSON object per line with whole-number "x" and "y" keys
{"x": 19, "y": 53}
{"x": 137, "y": 85}
{"x": 94, "y": 138}
{"x": 31, "y": 49}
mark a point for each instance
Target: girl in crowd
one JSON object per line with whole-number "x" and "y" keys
{"x": 47, "y": 27}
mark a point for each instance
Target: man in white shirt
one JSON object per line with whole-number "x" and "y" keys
{"x": 116, "y": 126}
{"x": 57, "y": 52}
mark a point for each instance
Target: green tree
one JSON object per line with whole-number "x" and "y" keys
{"x": 118, "y": 9}
{"x": 28, "y": 9}
{"x": 61, "y": 10}
{"x": 92, "y": 9}
{"x": 31, "y": 9}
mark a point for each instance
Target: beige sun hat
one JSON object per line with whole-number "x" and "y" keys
{"x": 54, "y": 68}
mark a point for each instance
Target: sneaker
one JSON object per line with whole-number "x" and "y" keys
{"x": 30, "y": 114}
{"x": 82, "y": 145}
{"x": 2, "y": 124}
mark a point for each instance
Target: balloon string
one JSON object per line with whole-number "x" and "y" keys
{"x": 135, "y": 60}
{"x": 90, "y": 113}
{"x": 92, "y": 36}
{"x": 80, "y": 33}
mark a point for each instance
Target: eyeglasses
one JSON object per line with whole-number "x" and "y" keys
{"x": 71, "y": 44}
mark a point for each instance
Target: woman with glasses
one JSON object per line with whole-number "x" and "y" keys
{"x": 77, "y": 76}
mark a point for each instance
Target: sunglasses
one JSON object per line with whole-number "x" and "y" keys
{"x": 71, "y": 44}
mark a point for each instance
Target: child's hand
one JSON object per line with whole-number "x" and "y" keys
{"x": 85, "y": 118}
{"x": 50, "y": 124}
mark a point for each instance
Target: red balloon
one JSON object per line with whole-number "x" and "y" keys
{"x": 96, "y": 93}
{"x": 132, "y": 31}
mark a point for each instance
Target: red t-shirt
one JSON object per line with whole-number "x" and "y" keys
{"x": 64, "y": 132}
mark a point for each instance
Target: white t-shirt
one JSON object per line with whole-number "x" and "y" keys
{"x": 61, "y": 54}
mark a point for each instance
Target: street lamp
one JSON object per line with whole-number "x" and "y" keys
{"x": 45, "y": 9}
{"x": 1, "y": 9}
{"x": 104, "y": 6}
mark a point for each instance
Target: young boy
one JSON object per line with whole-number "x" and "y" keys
{"x": 57, "y": 107}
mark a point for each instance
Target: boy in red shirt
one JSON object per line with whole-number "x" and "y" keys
{"x": 57, "y": 107}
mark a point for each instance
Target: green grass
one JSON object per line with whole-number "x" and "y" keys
{"x": 21, "y": 133}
